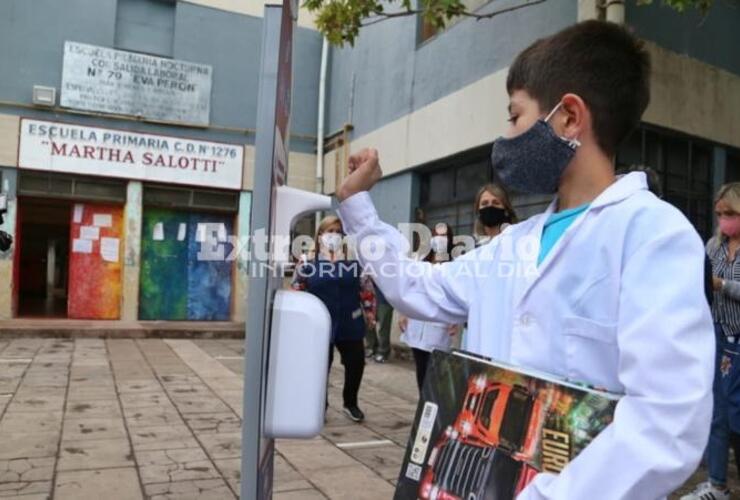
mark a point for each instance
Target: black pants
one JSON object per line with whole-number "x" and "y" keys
{"x": 353, "y": 359}
{"x": 421, "y": 358}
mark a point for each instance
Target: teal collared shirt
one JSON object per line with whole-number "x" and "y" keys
{"x": 554, "y": 228}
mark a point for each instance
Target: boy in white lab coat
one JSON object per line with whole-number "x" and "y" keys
{"x": 605, "y": 287}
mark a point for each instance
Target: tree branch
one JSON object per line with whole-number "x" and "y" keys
{"x": 383, "y": 16}
{"x": 501, "y": 11}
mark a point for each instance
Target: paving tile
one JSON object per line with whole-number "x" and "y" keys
{"x": 145, "y": 399}
{"x": 19, "y": 445}
{"x": 46, "y": 380}
{"x": 200, "y": 405}
{"x": 31, "y": 423}
{"x": 8, "y": 385}
{"x": 314, "y": 454}
{"x": 100, "y": 408}
{"x": 207, "y": 423}
{"x": 138, "y": 386}
{"x": 118, "y": 484}
{"x": 286, "y": 478}
{"x": 24, "y": 489}
{"x": 205, "y": 489}
{"x": 88, "y": 393}
{"x": 23, "y": 470}
{"x": 152, "y": 416}
{"x": 190, "y": 378}
{"x": 231, "y": 470}
{"x": 93, "y": 428}
{"x": 350, "y": 433}
{"x": 95, "y": 454}
{"x": 4, "y": 400}
{"x": 32, "y": 496}
{"x": 185, "y": 391}
{"x": 37, "y": 403}
{"x": 89, "y": 373}
{"x": 175, "y": 465}
{"x": 356, "y": 482}
{"x": 219, "y": 446}
{"x": 384, "y": 460}
{"x": 308, "y": 494}
{"x": 162, "y": 438}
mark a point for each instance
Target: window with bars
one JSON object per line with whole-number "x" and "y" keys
{"x": 684, "y": 165}
{"x": 448, "y": 190}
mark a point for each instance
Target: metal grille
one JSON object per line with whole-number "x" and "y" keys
{"x": 462, "y": 469}
{"x": 44, "y": 184}
{"x": 170, "y": 197}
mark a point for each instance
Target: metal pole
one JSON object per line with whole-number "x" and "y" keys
{"x": 256, "y": 470}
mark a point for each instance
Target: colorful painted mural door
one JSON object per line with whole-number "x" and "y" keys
{"x": 163, "y": 282}
{"x": 177, "y": 283}
{"x": 209, "y": 276}
{"x": 95, "y": 262}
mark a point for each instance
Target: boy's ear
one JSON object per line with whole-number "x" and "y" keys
{"x": 574, "y": 117}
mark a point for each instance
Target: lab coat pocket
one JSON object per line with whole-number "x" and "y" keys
{"x": 592, "y": 353}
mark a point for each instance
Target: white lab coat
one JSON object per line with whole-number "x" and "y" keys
{"x": 617, "y": 303}
{"x": 427, "y": 335}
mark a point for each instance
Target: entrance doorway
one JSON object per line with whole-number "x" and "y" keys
{"x": 44, "y": 227}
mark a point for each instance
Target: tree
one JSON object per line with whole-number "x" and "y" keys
{"x": 340, "y": 20}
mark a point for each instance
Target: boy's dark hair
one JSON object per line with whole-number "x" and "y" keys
{"x": 601, "y": 62}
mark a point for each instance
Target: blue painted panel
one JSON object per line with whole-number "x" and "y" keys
{"x": 209, "y": 281}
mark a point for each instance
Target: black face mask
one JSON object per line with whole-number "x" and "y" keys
{"x": 493, "y": 216}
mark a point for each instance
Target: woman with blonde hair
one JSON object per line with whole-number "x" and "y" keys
{"x": 722, "y": 250}
{"x": 350, "y": 299}
{"x": 493, "y": 212}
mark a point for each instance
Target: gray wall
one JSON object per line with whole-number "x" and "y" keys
{"x": 394, "y": 76}
{"x": 32, "y": 35}
{"x": 145, "y": 26}
{"x": 714, "y": 39}
{"x": 395, "y": 196}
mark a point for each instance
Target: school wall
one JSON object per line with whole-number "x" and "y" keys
{"x": 35, "y": 32}
{"x": 410, "y": 129}
{"x": 373, "y": 85}
{"x": 222, "y": 33}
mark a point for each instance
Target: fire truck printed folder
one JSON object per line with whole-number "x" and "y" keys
{"x": 483, "y": 431}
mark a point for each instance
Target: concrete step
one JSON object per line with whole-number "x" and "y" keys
{"x": 69, "y": 328}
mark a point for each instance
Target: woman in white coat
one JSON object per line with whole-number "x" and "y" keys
{"x": 423, "y": 337}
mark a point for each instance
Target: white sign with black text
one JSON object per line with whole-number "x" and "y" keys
{"x": 64, "y": 147}
{"x": 127, "y": 83}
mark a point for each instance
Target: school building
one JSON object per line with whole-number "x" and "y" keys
{"x": 432, "y": 103}
{"x": 127, "y": 134}
{"x": 126, "y": 140}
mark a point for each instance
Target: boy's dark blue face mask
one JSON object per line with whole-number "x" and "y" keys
{"x": 533, "y": 161}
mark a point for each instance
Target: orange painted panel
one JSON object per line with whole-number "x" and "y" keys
{"x": 95, "y": 262}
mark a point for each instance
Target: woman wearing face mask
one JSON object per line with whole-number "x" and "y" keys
{"x": 425, "y": 336}
{"x": 725, "y": 431}
{"x": 494, "y": 212}
{"x": 350, "y": 299}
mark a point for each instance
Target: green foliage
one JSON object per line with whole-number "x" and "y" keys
{"x": 340, "y": 20}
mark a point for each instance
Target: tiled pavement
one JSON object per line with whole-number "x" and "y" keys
{"x": 150, "y": 418}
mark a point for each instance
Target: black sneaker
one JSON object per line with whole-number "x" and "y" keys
{"x": 354, "y": 413}
{"x": 369, "y": 353}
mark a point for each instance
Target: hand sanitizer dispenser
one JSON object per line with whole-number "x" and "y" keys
{"x": 299, "y": 338}
{"x": 299, "y": 357}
